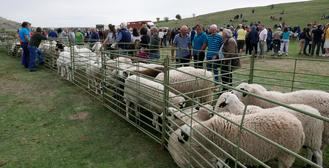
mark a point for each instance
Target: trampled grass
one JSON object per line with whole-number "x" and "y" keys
{"x": 43, "y": 123}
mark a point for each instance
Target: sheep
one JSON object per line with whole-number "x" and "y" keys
{"x": 281, "y": 127}
{"x": 176, "y": 118}
{"x": 313, "y": 128}
{"x": 313, "y": 98}
{"x": 191, "y": 86}
{"x": 63, "y": 64}
{"x": 149, "y": 94}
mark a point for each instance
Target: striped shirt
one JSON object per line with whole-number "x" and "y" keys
{"x": 214, "y": 43}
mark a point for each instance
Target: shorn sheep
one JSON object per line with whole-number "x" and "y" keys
{"x": 282, "y": 128}
{"x": 148, "y": 94}
{"x": 178, "y": 117}
{"x": 313, "y": 98}
{"x": 313, "y": 128}
{"x": 193, "y": 87}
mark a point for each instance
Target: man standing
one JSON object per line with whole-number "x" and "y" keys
{"x": 277, "y": 41}
{"x": 24, "y": 35}
{"x": 214, "y": 43}
{"x": 182, "y": 43}
{"x": 262, "y": 39}
{"x": 199, "y": 45}
{"x": 316, "y": 40}
{"x": 241, "y": 38}
{"x": 154, "y": 44}
{"x": 123, "y": 37}
{"x": 79, "y": 37}
{"x": 94, "y": 37}
{"x": 33, "y": 48}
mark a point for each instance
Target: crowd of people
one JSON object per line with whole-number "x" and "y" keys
{"x": 198, "y": 43}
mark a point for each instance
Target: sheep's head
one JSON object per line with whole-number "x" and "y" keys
{"x": 205, "y": 113}
{"x": 178, "y": 101}
{"x": 185, "y": 134}
{"x": 224, "y": 100}
{"x": 244, "y": 87}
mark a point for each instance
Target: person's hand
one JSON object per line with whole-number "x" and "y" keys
{"x": 214, "y": 57}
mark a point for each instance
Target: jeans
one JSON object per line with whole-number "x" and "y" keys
{"x": 198, "y": 57}
{"x": 248, "y": 48}
{"x": 33, "y": 55}
{"x": 307, "y": 43}
{"x": 254, "y": 47}
{"x": 316, "y": 44}
{"x": 180, "y": 61}
{"x": 269, "y": 45}
{"x": 154, "y": 55}
{"x": 213, "y": 67}
{"x": 284, "y": 46}
{"x": 26, "y": 55}
{"x": 40, "y": 57}
{"x": 226, "y": 73}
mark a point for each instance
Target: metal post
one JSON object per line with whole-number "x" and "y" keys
{"x": 72, "y": 61}
{"x": 165, "y": 100}
{"x": 103, "y": 71}
{"x": 252, "y": 66}
{"x": 293, "y": 75}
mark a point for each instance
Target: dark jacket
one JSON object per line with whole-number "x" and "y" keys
{"x": 253, "y": 36}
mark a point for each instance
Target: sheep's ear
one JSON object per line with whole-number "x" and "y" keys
{"x": 244, "y": 94}
{"x": 182, "y": 105}
{"x": 125, "y": 74}
{"x": 185, "y": 137}
{"x": 223, "y": 104}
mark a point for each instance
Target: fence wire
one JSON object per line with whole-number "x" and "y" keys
{"x": 173, "y": 102}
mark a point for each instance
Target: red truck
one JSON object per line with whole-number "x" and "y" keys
{"x": 139, "y": 24}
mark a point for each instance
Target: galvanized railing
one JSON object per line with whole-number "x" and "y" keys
{"x": 104, "y": 76}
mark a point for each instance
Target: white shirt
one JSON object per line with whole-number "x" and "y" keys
{"x": 110, "y": 38}
{"x": 161, "y": 34}
{"x": 263, "y": 35}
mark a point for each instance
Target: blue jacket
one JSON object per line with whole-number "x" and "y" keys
{"x": 253, "y": 36}
{"x": 123, "y": 36}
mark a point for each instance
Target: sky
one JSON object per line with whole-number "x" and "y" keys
{"x": 82, "y": 13}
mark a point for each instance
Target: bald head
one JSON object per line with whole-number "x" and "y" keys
{"x": 184, "y": 30}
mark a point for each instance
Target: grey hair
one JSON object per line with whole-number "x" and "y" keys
{"x": 228, "y": 33}
{"x": 184, "y": 27}
{"x": 213, "y": 26}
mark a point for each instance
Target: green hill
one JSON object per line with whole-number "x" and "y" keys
{"x": 299, "y": 13}
{"x": 6, "y": 24}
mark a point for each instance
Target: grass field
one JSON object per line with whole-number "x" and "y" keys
{"x": 299, "y": 13}
{"x": 47, "y": 122}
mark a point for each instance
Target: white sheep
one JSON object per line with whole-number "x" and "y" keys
{"x": 313, "y": 98}
{"x": 281, "y": 127}
{"x": 178, "y": 117}
{"x": 149, "y": 94}
{"x": 63, "y": 65}
{"x": 191, "y": 86}
{"x": 313, "y": 128}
